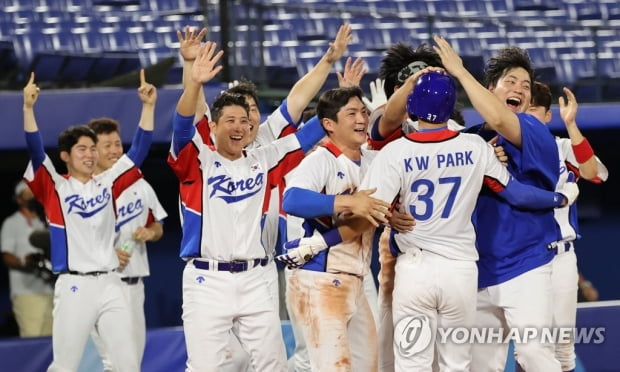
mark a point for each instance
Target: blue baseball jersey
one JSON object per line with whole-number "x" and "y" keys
{"x": 512, "y": 241}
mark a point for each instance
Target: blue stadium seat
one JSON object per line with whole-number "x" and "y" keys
{"x": 75, "y": 5}
{"x": 582, "y": 11}
{"x": 305, "y": 63}
{"x": 278, "y": 33}
{"x": 151, "y": 56}
{"x": 446, "y": 8}
{"x": 609, "y": 66}
{"x": 277, "y": 55}
{"x": 471, "y": 8}
{"x": 466, "y": 45}
{"x": 47, "y": 66}
{"x": 612, "y": 10}
{"x": 419, "y": 7}
{"x": 498, "y": 8}
{"x": 546, "y": 74}
{"x": 538, "y": 5}
{"x": 577, "y": 68}
{"x": 77, "y": 69}
{"x": 541, "y": 56}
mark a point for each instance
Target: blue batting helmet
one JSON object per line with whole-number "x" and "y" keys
{"x": 433, "y": 98}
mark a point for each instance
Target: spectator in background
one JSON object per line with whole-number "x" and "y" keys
{"x": 31, "y": 294}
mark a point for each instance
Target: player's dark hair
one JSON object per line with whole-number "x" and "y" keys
{"x": 104, "y": 126}
{"x": 227, "y": 99}
{"x": 70, "y": 136}
{"x": 541, "y": 95}
{"x": 507, "y": 59}
{"x": 331, "y": 101}
{"x": 245, "y": 88}
{"x": 398, "y": 57}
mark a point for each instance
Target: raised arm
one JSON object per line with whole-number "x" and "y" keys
{"x": 31, "y": 93}
{"x": 144, "y": 135}
{"x": 204, "y": 69}
{"x": 396, "y": 107}
{"x": 148, "y": 95}
{"x": 309, "y": 85}
{"x": 353, "y": 73}
{"x": 590, "y": 168}
{"x": 190, "y": 41}
{"x": 493, "y": 111}
{"x": 33, "y": 137}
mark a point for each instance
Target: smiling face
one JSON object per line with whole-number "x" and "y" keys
{"x": 231, "y": 131}
{"x": 350, "y": 128}
{"x": 110, "y": 149}
{"x": 514, "y": 88}
{"x": 81, "y": 159}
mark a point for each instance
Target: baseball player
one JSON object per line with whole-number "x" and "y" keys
{"x": 437, "y": 174}
{"x": 515, "y": 266}
{"x": 400, "y": 62}
{"x": 283, "y": 121}
{"x": 139, "y": 219}
{"x": 576, "y": 155}
{"x": 81, "y": 215}
{"x": 326, "y": 295}
{"x": 31, "y": 295}
{"x": 222, "y": 186}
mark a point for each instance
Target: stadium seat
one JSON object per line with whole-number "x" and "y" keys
{"x": 76, "y": 70}
{"x": 47, "y": 66}
{"x": 541, "y": 56}
{"x": 536, "y": 4}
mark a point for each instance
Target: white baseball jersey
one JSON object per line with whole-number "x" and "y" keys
{"x": 329, "y": 171}
{"x": 14, "y": 239}
{"x": 223, "y": 201}
{"x": 567, "y": 217}
{"x": 564, "y": 276}
{"x": 81, "y": 215}
{"x": 437, "y": 176}
{"x": 137, "y": 206}
{"x": 277, "y": 125}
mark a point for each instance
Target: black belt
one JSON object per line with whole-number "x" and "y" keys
{"x": 132, "y": 280}
{"x": 88, "y": 273}
{"x": 236, "y": 266}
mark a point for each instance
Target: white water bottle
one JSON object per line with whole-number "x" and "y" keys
{"x": 129, "y": 245}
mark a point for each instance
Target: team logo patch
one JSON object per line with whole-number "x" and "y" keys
{"x": 231, "y": 190}
{"x": 88, "y": 207}
{"x": 129, "y": 211}
{"x": 412, "y": 334}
